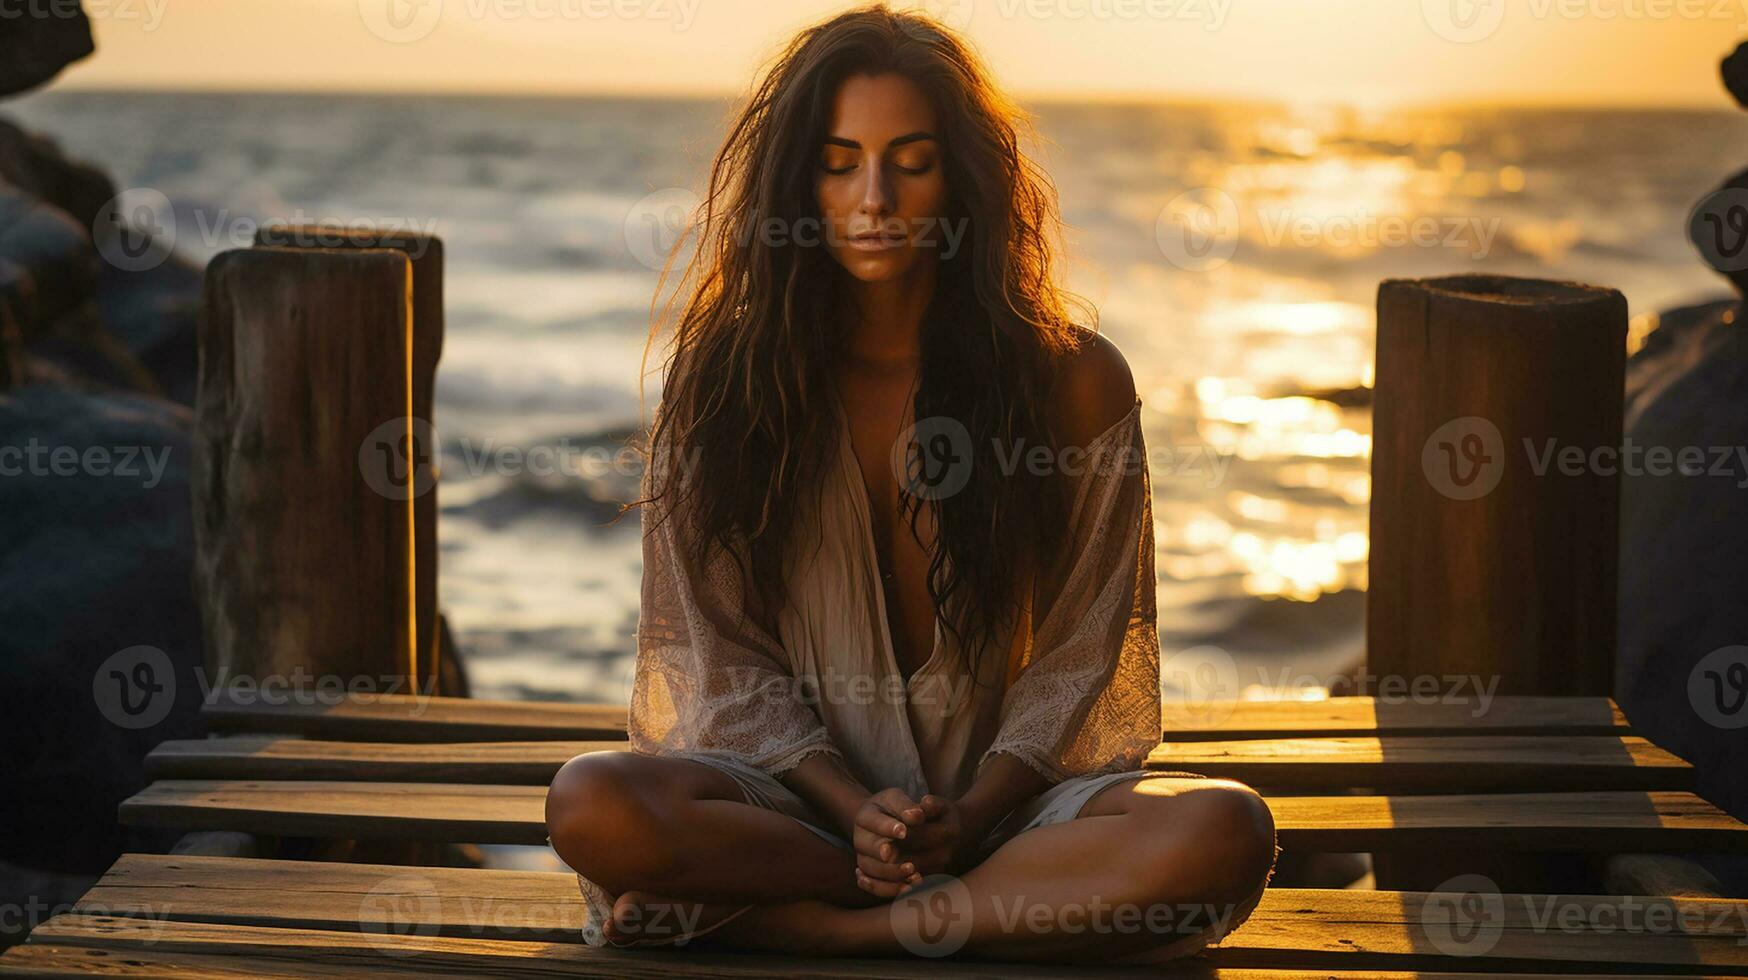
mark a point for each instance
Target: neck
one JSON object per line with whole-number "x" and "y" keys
{"x": 886, "y": 319}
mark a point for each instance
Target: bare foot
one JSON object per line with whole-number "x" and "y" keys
{"x": 655, "y": 918}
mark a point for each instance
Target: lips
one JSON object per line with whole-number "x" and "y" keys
{"x": 874, "y": 241}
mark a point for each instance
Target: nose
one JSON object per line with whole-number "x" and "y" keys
{"x": 877, "y": 195}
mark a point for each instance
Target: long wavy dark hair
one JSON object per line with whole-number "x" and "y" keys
{"x": 757, "y": 327}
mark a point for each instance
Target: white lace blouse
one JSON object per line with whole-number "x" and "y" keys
{"x": 1072, "y": 691}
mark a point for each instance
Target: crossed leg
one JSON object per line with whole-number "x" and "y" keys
{"x": 1147, "y": 863}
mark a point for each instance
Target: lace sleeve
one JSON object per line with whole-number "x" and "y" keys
{"x": 1086, "y": 695}
{"x": 708, "y": 679}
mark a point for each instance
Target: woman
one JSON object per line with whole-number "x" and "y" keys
{"x": 876, "y": 714}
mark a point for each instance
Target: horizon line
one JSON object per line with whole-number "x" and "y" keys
{"x": 1725, "y": 104}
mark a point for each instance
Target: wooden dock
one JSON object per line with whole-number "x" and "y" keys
{"x": 1530, "y": 775}
{"x": 1513, "y": 582}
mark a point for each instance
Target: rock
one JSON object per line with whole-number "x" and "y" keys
{"x": 152, "y": 313}
{"x": 123, "y": 328}
{"x": 1684, "y": 336}
{"x": 1735, "y": 72}
{"x": 149, "y": 306}
{"x": 54, "y": 300}
{"x": 14, "y": 289}
{"x": 35, "y": 165}
{"x": 94, "y": 565}
{"x": 1682, "y": 541}
{"x": 54, "y": 251}
{"x": 39, "y": 40}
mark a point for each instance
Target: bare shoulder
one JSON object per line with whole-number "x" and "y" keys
{"x": 1094, "y": 390}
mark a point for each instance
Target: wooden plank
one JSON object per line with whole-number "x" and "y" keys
{"x": 1465, "y": 763}
{"x": 1292, "y": 928}
{"x": 46, "y": 960}
{"x": 1604, "y": 822}
{"x": 1655, "y": 822}
{"x": 1453, "y": 763}
{"x": 461, "y": 813}
{"x": 1582, "y": 934}
{"x": 378, "y": 952}
{"x": 280, "y": 757}
{"x": 412, "y": 718}
{"x": 1362, "y": 716}
{"x": 415, "y": 718}
{"x": 70, "y": 940}
{"x": 460, "y": 902}
{"x": 275, "y": 960}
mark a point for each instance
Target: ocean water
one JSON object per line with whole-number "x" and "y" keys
{"x": 1239, "y": 335}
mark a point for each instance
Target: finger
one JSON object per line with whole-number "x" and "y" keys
{"x": 885, "y": 871}
{"x": 875, "y": 846}
{"x": 926, "y": 837}
{"x": 878, "y": 821}
{"x": 898, "y": 803}
{"x": 932, "y": 861}
{"x": 934, "y": 806}
{"x": 884, "y": 889}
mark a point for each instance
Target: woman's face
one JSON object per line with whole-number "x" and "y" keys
{"x": 881, "y": 189}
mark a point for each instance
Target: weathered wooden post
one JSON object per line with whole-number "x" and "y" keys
{"x": 1495, "y": 482}
{"x": 302, "y": 565}
{"x": 426, "y": 253}
{"x": 1495, "y": 490}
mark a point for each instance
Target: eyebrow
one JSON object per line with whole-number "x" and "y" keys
{"x": 915, "y": 137}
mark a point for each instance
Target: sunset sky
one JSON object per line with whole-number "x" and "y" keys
{"x": 1368, "y": 52}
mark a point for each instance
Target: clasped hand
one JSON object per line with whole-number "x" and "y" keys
{"x": 900, "y": 841}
